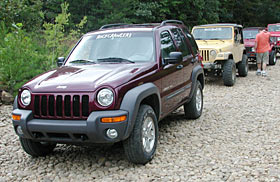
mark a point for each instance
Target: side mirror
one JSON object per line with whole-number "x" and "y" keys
{"x": 174, "y": 57}
{"x": 60, "y": 61}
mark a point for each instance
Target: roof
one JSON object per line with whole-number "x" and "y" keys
{"x": 220, "y": 24}
{"x": 149, "y": 25}
{"x": 259, "y": 28}
{"x": 274, "y": 24}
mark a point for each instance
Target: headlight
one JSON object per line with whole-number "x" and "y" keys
{"x": 213, "y": 53}
{"x": 105, "y": 97}
{"x": 253, "y": 49}
{"x": 25, "y": 97}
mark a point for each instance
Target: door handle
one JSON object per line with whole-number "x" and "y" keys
{"x": 179, "y": 67}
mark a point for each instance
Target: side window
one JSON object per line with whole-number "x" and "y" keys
{"x": 181, "y": 41}
{"x": 236, "y": 33}
{"x": 192, "y": 41}
{"x": 166, "y": 43}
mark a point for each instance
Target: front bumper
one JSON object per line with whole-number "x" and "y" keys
{"x": 91, "y": 130}
{"x": 211, "y": 66}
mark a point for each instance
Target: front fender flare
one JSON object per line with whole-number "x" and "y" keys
{"x": 132, "y": 100}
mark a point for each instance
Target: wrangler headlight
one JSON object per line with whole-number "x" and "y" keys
{"x": 213, "y": 53}
{"x": 25, "y": 97}
{"x": 105, "y": 97}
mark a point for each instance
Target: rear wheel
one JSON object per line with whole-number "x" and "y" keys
{"x": 243, "y": 66}
{"x": 36, "y": 149}
{"x": 141, "y": 145}
{"x": 272, "y": 58}
{"x": 229, "y": 73}
{"x": 193, "y": 109}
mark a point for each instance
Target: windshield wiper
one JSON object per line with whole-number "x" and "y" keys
{"x": 114, "y": 59}
{"x": 83, "y": 61}
{"x": 217, "y": 39}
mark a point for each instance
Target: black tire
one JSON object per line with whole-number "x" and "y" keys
{"x": 243, "y": 66}
{"x": 229, "y": 72}
{"x": 36, "y": 149}
{"x": 193, "y": 109}
{"x": 134, "y": 146}
{"x": 272, "y": 58}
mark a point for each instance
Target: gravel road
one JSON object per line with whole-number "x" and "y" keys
{"x": 236, "y": 139}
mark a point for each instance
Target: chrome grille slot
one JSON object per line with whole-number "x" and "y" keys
{"x": 205, "y": 55}
{"x": 61, "y": 106}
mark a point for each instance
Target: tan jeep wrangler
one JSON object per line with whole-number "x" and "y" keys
{"x": 223, "y": 50}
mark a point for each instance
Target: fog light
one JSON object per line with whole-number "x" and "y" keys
{"x": 112, "y": 133}
{"x": 19, "y": 130}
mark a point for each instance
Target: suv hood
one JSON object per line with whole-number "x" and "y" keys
{"x": 249, "y": 42}
{"x": 213, "y": 44}
{"x": 275, "y": 34}
{"x": 87, "y": 77}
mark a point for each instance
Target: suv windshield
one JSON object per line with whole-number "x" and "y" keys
{"x": 274, "y": 28}
{"x": 216, "y": 33}
{"x": 250, "y": 34}
{"x": 128, "y": 47}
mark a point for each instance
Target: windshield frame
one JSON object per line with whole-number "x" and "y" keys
{"x": 197, "y": 28}
{"x": 95, "y": 34}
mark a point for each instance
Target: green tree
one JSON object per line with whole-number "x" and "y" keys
{"x": 57, "y": 40}
{"x": 26, "y": 11}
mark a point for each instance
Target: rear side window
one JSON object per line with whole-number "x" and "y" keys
{"x": 167, "y": 44}
{"x": 192, "y": 41}
{"x": 181, "y": 41}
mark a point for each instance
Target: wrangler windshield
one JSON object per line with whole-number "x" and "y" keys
{"x": 250, "y": 34}
{"x": 120, "y": 47}
{"x": 274, "y": 28}
{"x": 216, "y": 33}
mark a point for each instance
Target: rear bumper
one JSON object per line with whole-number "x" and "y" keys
{"x": 91, "y": 130}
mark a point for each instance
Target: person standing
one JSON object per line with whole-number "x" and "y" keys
{"x": 262, "y": 47}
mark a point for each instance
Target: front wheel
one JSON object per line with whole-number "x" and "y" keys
{"x": 193, "y": 109}
{"x": 229, "y": 72}
{"x": 141, "y": 145}
{"x": 36, "y": 149}
{"x": 243, "y": 66}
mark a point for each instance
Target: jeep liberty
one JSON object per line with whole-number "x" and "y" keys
{"x": 115, "y": 85}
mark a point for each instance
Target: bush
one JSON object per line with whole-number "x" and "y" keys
{"x": 20, "y": 58}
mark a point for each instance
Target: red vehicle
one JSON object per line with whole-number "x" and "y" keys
{"x": 115, "y": 86}
{"x": 274, "y": 30}
{"x": 249, "y": 36}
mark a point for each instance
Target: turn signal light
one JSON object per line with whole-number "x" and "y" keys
{"x": 113, "y": 119}
{"x": 16, "y": 117}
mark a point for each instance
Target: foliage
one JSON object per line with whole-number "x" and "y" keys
{"x": 20, "y": 58}
{"x": 27, "y": 11}
{"x": 55, "y": 36}
{"x": 50, "y": 28}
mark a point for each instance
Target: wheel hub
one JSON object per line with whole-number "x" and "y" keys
{"x": 148, "y": 134}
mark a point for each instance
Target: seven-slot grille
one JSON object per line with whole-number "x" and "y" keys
{"x": 205, "y": 55}
{"x": 249, "y": 49}
{"x": 61, "y": 106}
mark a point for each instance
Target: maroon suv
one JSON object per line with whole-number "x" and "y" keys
{"x": 115, "y": 85}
